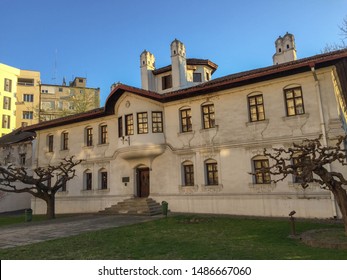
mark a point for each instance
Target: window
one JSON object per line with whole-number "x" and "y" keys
{"x": 129, "y": 125}
{"x": 28, "y": 115}
{"x": 103, "y": 179}
{"x": 142, "y": 123}
{"x": 299, "y": 163}
{"x": 88, "y": 180}
{"x": 262, "y": 176}
{"x": 60, "y": 89}
{"x": 120, "y": 127}
{"x": 7, "y": 103}
{"x": 6, "y": 121}
{"x": 25, "y": 82}
{"x": 22, "y": 159}
{"x": 256, "y": 108}
{"x": 166, "y": 82}
{"x": 8, "y": 85}
{"x": 65, "y": 141}
{"x": 89, "y": 136}
{"x": 50, "y": 143}
{"x": 188, "y": 174}
{"x": 207, "y": 76}
{"x": 49, "y": 182}
{"x": 211, "y": 173}
{"x": 294, "y": 101}
{"x": 103, "y": 134}
{"x": 186, "y": 120}
{"x": 62, "y": 178}
{"x": 196, "y": 77}
{"x": 157, "y": 122}
{"x": 208, "y": 116}
{"x": 28, "y": 98}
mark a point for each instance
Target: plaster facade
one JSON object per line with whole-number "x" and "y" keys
{"x": 8, "y": 92}
{"x": 199, "y": 144}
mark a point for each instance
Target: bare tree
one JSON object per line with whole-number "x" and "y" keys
{"x": 310, "y": 162}
{"x": 38, "y": 182}
{"x": 342, "y": 44}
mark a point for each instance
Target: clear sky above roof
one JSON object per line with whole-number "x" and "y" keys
{"x": 102, "y": 40}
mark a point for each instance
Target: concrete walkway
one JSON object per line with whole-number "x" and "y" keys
{"x": 33, "y": 232}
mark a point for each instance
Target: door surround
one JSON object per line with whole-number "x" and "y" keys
{"x": 142, "y": 182}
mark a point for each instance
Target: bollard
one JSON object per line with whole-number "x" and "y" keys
{"x": 292, "y": 222}
{"x": 165, "y": 207}
{"x": 28, "y": 213}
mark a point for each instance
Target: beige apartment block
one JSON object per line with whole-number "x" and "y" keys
{"x": 28, "y": 98}
{"x": 63, "y": 100}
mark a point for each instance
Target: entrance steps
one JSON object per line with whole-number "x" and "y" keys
{"x": 134, "y": 206}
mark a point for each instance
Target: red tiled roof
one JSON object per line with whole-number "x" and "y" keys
{"x": 190, "y": 61}
{"x": 229, "y": 81}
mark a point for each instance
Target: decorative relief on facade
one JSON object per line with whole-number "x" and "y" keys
{"x": 188, "y": 189}
{"x": 257, "y": 129}
{"x": 298, "y": 187}
{"x": 262, "y": 188}
{"x": 186, "y": 138}
{"x": 212, "y": 189}
{"x": 296, "y": 123}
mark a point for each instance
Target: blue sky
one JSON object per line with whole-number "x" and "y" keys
{"x": 103, "y": 39}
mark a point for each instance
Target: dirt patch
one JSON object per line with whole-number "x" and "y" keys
{"x": 325, "y": 238}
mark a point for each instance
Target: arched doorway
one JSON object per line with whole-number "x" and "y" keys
{"x": 142, "y": 174}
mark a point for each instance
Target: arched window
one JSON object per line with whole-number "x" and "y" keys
{"x": 260, "y": 169}
{"x": 302, "y": 171}
{"x": 103, "y": 133}
{"x": 64, "y": 140}
{"x": 208, "y": 115}
{"x": 50, "y": 144}
{"x": 294, "y": 100}
{"x": 256, "y": 107}
{"x": 188, "y": 173}
{"x": 88, "y": 136}
{"x": 87, "y": 180}
{"x": 103, "y": 179}
{"x": 186, "y": 119}
{"x": 211, "y": 169}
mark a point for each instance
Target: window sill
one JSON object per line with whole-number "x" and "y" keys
{"x": 103, "y": 145}
{"x": 211, "y": 188}
{"x": 262, "y": 187}
{"x": 186, "y": 133}
{"x": 103, "y": 190}
{"x": 188, "y": 189}
{"x": 62, "y": 193}
{"x": 298, "y": 186}
{"x": 88, "y": 147}
{"x": 209, "y": 129}
{"x": 256, "y": 123}
{"x": 296, "y": 117}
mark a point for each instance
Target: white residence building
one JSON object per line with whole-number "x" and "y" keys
{"x": 191, "y": 140}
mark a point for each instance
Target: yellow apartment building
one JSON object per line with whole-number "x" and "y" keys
{"x": 8, "y": 92}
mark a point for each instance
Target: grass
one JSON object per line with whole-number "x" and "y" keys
{"x": 185, "y": 237}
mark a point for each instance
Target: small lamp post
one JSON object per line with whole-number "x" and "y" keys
{"x": 292, "y": 222}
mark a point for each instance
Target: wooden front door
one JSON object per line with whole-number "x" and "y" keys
{"x": 143, "y": 182}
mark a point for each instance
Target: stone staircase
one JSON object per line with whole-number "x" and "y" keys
{"x": 134, "y": 206}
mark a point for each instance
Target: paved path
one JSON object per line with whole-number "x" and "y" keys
{"x": 33, "y": 232}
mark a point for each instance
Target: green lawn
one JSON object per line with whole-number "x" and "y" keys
{"x": 185, "y": 237}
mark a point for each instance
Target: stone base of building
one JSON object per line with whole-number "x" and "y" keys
{"x": 275, "y": 205}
